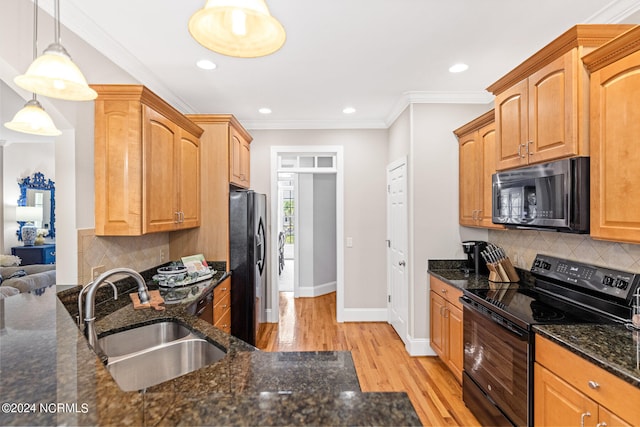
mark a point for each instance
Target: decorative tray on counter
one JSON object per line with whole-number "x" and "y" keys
{"x": 165, "y": 281}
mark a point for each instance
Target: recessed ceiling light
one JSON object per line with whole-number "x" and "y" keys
{"x": 349, "y": 110}
{"x": 458, "y": 68}
{"x": 205, "y": 64}
{"x": 264, "y": 110}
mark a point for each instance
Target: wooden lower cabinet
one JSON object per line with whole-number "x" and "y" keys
{"x": 447, "y": 338}
{"x": 571, "y": 391}
{"x": 222, "y": 306}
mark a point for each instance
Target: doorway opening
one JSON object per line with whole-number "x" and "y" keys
{"x": 286, "y": 230}
{"x": 307, "y": 224}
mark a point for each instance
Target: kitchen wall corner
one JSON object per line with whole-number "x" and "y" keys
{"x": 138, "y": 252}
{"x": 522, "y": 246}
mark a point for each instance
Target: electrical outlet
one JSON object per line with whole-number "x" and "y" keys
{"x": 97, "y": 271}
{"x": 162, "y": 256}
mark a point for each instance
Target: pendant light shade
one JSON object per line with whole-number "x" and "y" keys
{"x": 240, "y": 28}
{"x": 54, "y": 74}
{"x": 34, "y": 120}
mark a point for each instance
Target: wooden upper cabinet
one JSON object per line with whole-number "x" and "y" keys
{"x": 477, "y": 147}
{"x": 615, "y": 126}
{"x": 240, "y": 161}
{"x": 147, "y": 164}
{"x": 542, "y": 105}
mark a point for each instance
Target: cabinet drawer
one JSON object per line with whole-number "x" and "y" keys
{"x": 448, "y": 292}
{"x": 609, "y": 391}
{"x": 222, "y": 289}
{"x": 224, "y": 321}
{"x": 221, "y": 305}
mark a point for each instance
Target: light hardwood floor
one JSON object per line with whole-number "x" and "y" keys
{"x": 381, "y": 361}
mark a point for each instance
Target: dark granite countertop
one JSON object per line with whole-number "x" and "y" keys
{"x": 611, "y": 347}
{"x": 50, "y": 376}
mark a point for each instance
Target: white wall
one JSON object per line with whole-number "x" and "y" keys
{"x": 304, "y": 235}
{"x": 324, "y": 231}
{"x": 424, "y": 133}
{"x": 365, "y": 158}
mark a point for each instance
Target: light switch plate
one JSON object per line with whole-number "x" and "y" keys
{"x": 349, "y": 242}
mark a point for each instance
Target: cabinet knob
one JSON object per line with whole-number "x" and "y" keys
{"x": 594, "y": 385}
{"x": 444, "y": 291}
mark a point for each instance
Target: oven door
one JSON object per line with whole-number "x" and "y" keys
{"x": 496, "y": 358}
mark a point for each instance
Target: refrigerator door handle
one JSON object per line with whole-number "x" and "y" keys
{"x": 261, "y": 246}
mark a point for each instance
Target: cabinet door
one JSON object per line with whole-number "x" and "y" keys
{"x": 470, "y": 161}
{"x": 189, "y": 180}
{"x": 553, "y": 104}
{"x": 615, "y": 158}
{"x": 161, "y": 168}
{"x": 118, "y": 167}
{"x": 456, "y": 341}
{"x": 239, "y": 162}
{"x": 487, "y": 141}
{"x": 511, "y": 126}
{"x": 607, "y": 418}
{"x": 437, "y": 325}
{"x": 556, "y": 403}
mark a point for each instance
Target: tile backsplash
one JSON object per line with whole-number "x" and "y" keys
{"x": 522, "y": 246}
{"x": 139, "y": 252}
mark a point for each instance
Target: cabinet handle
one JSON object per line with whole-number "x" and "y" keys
{"x": 594, "y": 385}
{"x": 585, "y": 414}
{"x": 520, "y": 151}
{"x": 479, "y": 217}
{"x": 528, "y": 150}
{"x": 176, "y": 217}
{"x": 602, "y": 424}
{"x": 446, "y": 310}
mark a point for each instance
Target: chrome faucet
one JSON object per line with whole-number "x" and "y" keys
{"x": 90, "y": 303}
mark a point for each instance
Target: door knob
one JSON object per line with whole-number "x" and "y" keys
{"x": 402, "y": 263}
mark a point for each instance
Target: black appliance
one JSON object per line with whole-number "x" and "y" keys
{"x": 498, "y": 336}
{"x": 550, "y": 196}
{"x": 475, "y": 263}
{"x": 247, "y": 262}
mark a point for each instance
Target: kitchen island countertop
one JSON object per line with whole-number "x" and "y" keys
{"x": 50, "y": 376}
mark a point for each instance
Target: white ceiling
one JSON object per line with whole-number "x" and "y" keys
{"x": 373, "y": 55}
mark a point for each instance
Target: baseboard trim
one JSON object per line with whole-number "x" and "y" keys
{"x": 419, "y": 347}
{"x": 316, "y": 291}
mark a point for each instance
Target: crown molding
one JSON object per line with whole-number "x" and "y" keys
{"x": 313, "y": 124}
{"x": 433, "y": 97}
{"x": 615, "y": 12}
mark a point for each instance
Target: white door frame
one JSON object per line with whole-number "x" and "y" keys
{"x": 407, "y": 265}
{"x": 273, "y": 312}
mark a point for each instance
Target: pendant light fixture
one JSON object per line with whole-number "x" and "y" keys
{"x": 54, "y": 74}
{"x": 240, "y": 28}
{"x": 32, "y": 118}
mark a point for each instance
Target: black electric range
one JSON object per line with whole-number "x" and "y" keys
{"x": 498, "y": 337}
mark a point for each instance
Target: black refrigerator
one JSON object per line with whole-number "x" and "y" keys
{"x": 247, "y": 262}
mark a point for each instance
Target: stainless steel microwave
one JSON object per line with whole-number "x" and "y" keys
{"x": 548, "y": 196}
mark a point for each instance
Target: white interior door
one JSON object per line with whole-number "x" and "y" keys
{"x": 397, "y": 280}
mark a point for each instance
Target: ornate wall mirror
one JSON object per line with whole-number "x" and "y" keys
{"x": 38, "y": 191}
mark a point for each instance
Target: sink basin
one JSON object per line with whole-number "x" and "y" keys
{"x": 142, "y": 337}
{"x": 148, "y": 368}
{"x": 152, "y": 354}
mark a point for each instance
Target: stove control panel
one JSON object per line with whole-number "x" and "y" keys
{"x": 599, "y": 280}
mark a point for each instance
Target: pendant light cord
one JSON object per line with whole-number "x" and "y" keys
{"x": 57, "y": 26}
{"x": 35, "y": 37}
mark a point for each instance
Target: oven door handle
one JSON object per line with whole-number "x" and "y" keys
{"x": 495, "y": 318}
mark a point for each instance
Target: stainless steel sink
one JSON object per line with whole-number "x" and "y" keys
{"x": 142, "y": 337}
{"x": 152, "y": 354}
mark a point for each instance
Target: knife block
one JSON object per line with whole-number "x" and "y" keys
{"x": 502, "y": 271}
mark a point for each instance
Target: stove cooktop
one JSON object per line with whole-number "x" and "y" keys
{"x": 565, "y": 292}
